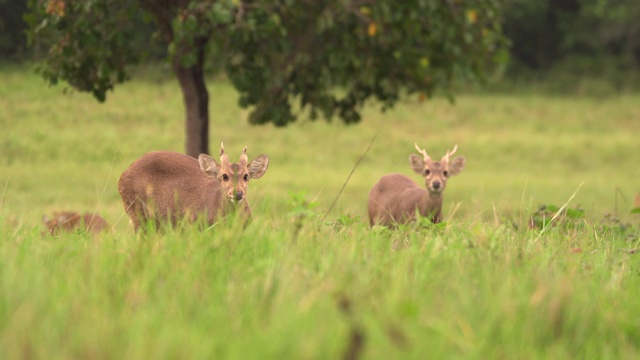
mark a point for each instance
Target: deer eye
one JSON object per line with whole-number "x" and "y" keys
{"x": 246, "y": 177}
{"x": 445, "y": 173}
{"x": 225, "y": 177}
{"x": 427, "y": 171}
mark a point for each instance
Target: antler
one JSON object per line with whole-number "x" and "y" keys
{"x": 423, "y": 152}
{"x": 243, "y": 157}
{"x": 449, "y": 153}
{"x": 224, "y": 159}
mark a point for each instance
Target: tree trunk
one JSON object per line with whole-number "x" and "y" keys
{"x": 196, "y": 102}
{"x": 191, "y": 78}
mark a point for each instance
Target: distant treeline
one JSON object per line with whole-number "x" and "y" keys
{"x": 598, "y": 38}
{"x": 544, "y": 34}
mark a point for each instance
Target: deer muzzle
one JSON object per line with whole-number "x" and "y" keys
{"x": 436, "y": 186}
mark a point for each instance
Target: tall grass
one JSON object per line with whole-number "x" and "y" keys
{"x": 292, "y": 285}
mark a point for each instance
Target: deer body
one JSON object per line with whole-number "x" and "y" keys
{"x": 165, "y": 186}
{"x": 395, "y": 198}
{"x": 69, "y": 221}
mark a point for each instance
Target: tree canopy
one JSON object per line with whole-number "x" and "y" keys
{"x": 327, "y": 56}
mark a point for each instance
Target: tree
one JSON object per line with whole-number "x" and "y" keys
{"x": 327, "y": 55}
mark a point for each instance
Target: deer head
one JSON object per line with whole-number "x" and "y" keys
{"x": 436, "y": 173}
{"x": 234, "y": 177}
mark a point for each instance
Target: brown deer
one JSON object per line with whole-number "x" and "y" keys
{"x": 167, "y": 186}
{"x": 69, "y": 221}
{"x": 395, "y": 198}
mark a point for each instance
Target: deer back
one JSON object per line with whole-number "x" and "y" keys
{"x": 69, "y": 221}
{"x": 393, "y": 199}
{"x": 165, "y": 185}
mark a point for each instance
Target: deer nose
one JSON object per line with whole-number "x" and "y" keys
{"x": 436, "y": 185}
{"x": 238, "y": 195}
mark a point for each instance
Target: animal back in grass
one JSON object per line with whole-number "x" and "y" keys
{"x": 168, "y": 187}
{"x": 70, "y": 221}
{"x": 395, "y": 198}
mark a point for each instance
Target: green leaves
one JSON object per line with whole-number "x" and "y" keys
{"x": 193, "y": 25}
{"x": 567, "y": 218}
{"x": 331, "y": 56}
{"x": 87, "y": 42}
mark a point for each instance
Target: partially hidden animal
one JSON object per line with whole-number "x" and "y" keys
{"x": 70, "y": 221}
{"x": 164, "y": 186}
{"x": 395, "y": 198}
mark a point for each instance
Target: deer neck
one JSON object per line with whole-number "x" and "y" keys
{"x": 229, "y": 207}
{"x": 431, "y": 205}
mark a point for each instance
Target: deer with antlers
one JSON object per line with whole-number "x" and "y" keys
{"x": 165, "y": 186}
{"x": 395, "y": 198}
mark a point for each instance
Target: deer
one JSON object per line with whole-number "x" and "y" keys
{"x": 395, "y": 198}
{"x": 165, "y": 186}
{"x": 70, "y": 221}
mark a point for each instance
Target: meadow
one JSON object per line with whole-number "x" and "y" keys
{"x": 308, "y": 283}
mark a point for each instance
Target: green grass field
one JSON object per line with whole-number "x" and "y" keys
{"x": 301, "y": 283}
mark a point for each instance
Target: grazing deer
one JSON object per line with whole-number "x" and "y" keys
{"x": 168, "y": 186}
{"x": 69, "y": 221}
{"x": 395, "y": 198}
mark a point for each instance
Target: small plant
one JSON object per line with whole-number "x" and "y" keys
{"x": 424, "y": 222}
{"x": 567, "y": 218}
{"x": 301, "y": 209}
{"x": 613, "y": 225}
{"x": 344, "y": 221}
{"x": 300, "y": 206}
{"x": 574, "y": 218}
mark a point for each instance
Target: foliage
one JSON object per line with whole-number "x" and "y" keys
{"x": 574, "y": 219}
{"x": 345, "y": 221}
{"x": 425, "y": 222}
{"x": 89, "y": 42}
{"x": 375, "y": 49}
{"x": 327, "y": 56}
{"x": 301, "y": 210}
{"x": 300, "y": 206}
{"x": 551, "y": 41}
{"x": 566, "y": 218}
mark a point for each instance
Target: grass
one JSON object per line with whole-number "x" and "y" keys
{"x": 293, "y": 286}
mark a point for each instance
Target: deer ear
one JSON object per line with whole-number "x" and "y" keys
{"x": 208, "y": 166}
{"x": 456, "y": 165}
{"x": 258, "y": 166}
{"x": 417, "y": 163}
